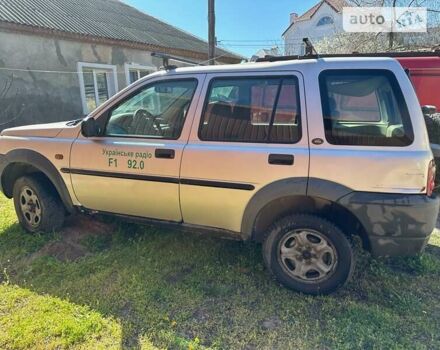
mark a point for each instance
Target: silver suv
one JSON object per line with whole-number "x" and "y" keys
{"x": 299, "y": 155}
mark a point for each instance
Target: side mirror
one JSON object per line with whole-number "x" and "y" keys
{"x": 90, "y": 128}
{"x": 428, "y": 110}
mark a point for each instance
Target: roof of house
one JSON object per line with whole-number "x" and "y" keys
{"x": 274, "y": 51}
{"x": 336, "y": 5}
{"x": 105, "y": 21}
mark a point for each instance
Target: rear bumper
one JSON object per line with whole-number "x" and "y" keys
{"x": 396, "y": 224}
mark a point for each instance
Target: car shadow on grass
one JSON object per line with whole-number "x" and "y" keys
{"x": 183, "y": 290}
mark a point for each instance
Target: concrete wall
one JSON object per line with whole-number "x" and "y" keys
{"x": 28, "y": 96}
{"x": 308, "y": 29}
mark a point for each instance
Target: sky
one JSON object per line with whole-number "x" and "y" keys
{"x": 242, "y": 26}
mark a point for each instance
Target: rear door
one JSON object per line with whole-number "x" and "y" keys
{"x": 250, "y": 130}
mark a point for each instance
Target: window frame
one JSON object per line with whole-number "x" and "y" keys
{"x": 255, "y": 77}
{"x": 112, "y": 83}
{"x": 138, "y": 67}
{"x": 107, "y": 114}
{"x": 319, "y": 24}
{"x": 397, "y": 91}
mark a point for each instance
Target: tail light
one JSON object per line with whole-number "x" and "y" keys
{"x": 431, "y": 178}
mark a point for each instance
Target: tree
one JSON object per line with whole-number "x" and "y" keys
{"x": 382, "y": 42}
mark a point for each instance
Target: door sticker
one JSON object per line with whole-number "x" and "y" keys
{"x": 130, "y": 160}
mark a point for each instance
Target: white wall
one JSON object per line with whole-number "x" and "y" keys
{"x": 308, "y": 29}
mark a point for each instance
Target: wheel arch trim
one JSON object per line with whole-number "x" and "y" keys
{"x": 42, "y": 164}
{"x": 291, "y": 187}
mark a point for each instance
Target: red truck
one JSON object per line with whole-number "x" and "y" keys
{"x": 424, "y": 71}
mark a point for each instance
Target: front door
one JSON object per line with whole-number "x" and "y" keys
{"x": 133, "y": 168}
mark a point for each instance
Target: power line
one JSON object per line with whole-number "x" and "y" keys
{"x": 26, "y": 70}
{"x": 250, "y": 45}
{"x": 244, "y": 40}
{"x": 41, "y": 71}
{"x": 258, "y": 41}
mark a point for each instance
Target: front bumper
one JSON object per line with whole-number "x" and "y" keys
{"x": 396, "y": 224}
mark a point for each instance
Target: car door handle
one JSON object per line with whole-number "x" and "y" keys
{"x": 281, "y": 159}
{"x": 165, "y": 153}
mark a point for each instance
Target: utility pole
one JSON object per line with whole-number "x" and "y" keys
{"x": 211, "y": 35}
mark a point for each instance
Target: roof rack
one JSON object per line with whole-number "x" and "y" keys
{"x": 435, "y": 53}
{"x": 166, "y": 60}
{"x": 310, "y": 49}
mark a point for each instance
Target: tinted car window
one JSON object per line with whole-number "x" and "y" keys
{"x": 364, "y": 108}
{"x": 252, "y": 110}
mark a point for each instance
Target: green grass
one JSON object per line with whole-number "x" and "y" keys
{"x": 142, "y": 287}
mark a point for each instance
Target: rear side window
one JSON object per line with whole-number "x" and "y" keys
{"x": 364, "y": 108}
{"x": 265, "y": 110}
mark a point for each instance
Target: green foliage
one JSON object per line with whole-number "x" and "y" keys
{"x": 148, "y": 288}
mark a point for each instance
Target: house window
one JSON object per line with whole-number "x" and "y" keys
{"x": 97, "y": 84}
{"x": 325, "y": 21}
{"x": 135, "y": 72}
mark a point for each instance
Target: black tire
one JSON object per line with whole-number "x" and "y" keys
{"x": 433, "y": 126}
{"x": 44, "y": 210}
{"x": 288, "y": 233}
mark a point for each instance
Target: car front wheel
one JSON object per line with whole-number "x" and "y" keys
{"x": 308, "y": 254}
{"x": 37, "y": 204}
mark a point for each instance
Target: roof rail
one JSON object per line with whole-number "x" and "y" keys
{"x": 435, "y": 53}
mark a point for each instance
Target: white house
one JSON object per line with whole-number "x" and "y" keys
{"x": 321, "y": 21}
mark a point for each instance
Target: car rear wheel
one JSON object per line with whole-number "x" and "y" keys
{"x": 37, "y": 204}
{"x": 308, "y": 254}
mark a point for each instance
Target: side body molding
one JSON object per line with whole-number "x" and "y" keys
{"x": 41, "y": 163}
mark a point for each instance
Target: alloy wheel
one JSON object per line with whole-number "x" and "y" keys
{"x": 30, "y": 206}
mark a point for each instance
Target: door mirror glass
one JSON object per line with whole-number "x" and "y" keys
{"x": 428, "y": 110}
{"x": 90, "y": 128}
